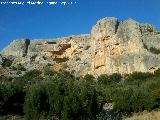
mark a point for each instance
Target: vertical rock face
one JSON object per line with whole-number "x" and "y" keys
{"x": 129, "y": 33}
{"x": 103, "y": 34}
{"x": 112, "y": 47}
{"x": 119, "y": 47}
{"x": 17, "y": 48}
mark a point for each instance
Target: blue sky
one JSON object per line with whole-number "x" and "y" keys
{"x": 44, "y": 21}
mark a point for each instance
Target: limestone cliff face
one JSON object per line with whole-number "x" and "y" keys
{"x": 112, "y": 47}
{"x": 119, "y": 47}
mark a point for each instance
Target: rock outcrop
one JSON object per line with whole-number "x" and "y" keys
{"x": 17, "y": 48}
{"x": 112, "y": 47}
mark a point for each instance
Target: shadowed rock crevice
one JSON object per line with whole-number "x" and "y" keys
{"x": 116, "y": 27}
{"x": 27, "y": 42}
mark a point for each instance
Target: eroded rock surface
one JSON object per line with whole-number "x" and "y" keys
{"x": 112, "y": 47}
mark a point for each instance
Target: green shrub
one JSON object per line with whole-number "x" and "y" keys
{"x": 142, "y": 100}
{"x": 156, "y": 95}
{"x": 109, "y": 79}
{"x": 116, "y": 77}
{"x": 31, "y": 76}
{"x": 5, "y": 79}
{"x": 154, "y": 50}
{"x": 103, "y": 116}
{"x": 21, "y": 67}
{"x": 136, "y": 96}
{"x": 36, "y": 102}
{"x": 106, "y": 115}
{"x": 65, "y": 74}
{"x": 89, "y": 78}
{"x": 137, "y": 77}
{"x": 121, "y": 100}
{"x": 18, "y": 67}
{"x": 6, "y": 91}
{"x": 65, "y": 99}
{"x": 49, "y": 72}
{"x": 7, "y": 63}
{"x": 33, "y": 73}
{"x": 157, "y": 72}
{"x": 81, "y": 102}
{"x": 104, "y": 79}
{"x": 11, "y": 98}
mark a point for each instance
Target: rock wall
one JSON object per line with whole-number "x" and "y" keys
{"x": 119, "y": 47}
{"x": 112, "y": 47}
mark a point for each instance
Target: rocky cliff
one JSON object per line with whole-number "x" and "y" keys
{"x": 112, "y": 47}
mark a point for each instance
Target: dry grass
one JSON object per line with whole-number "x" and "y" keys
{"x": 154, "y": 115}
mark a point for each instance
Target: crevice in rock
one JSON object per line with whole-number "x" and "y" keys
{"x": 99, "y": 66}
{"x": 116, "y": 27}
{"x": 27, "y": 42}
{"x": 145, "y": 46}
{"x": 51, "y": 43}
